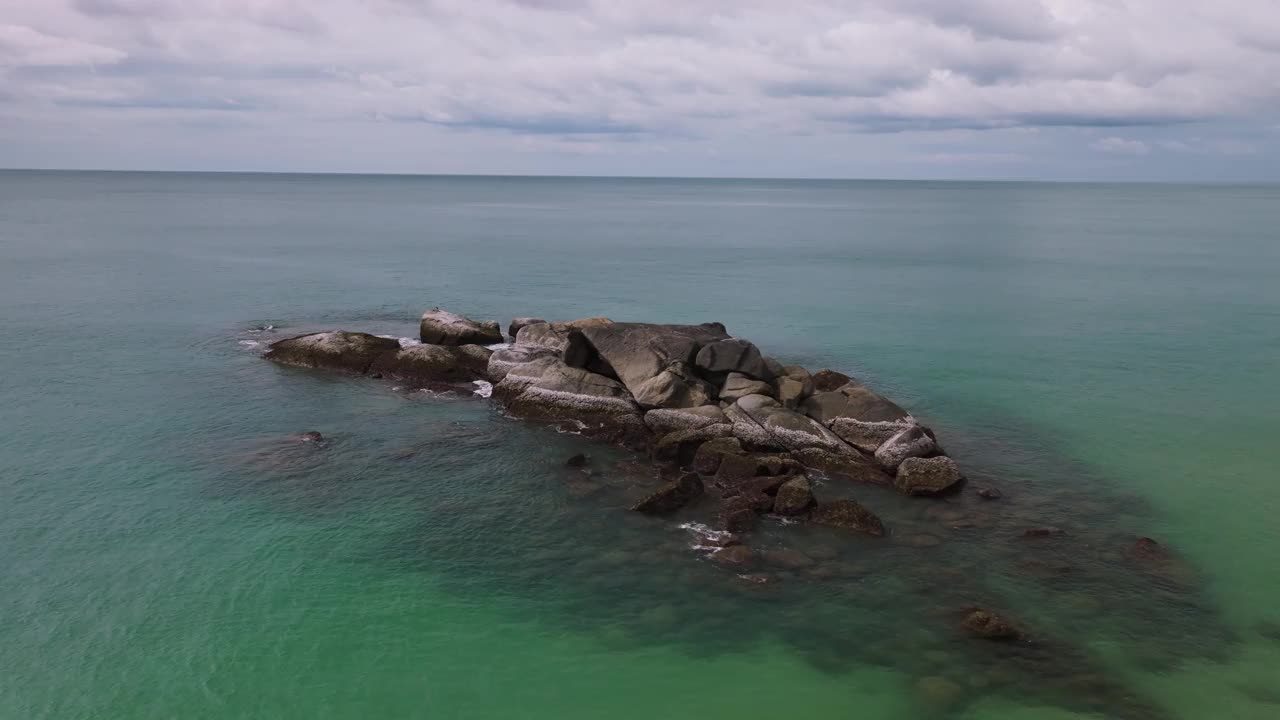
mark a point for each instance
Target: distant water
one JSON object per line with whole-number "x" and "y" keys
{"x": 1109, "y": 355}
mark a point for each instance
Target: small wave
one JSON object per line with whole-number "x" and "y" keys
{"x": 404, "y": 341}
{"x": 705, "y": 532}
{"x": 250, "y": 343}
{"x": 483, "y": 389}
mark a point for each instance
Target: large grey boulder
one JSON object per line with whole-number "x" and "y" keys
{"x": 516, "y": 323}
{"x": 674, "y": 387}
{"x": 423, "y": 364}
{"x": 555, "y": 335}
{"x": 733, "y": 355}
{"x": 508, "y": 356}
{"x": 867, "y": 436}
{"x": 441, "y": 327}
{"x": 790, "y": 429}
{"x": 792, "y": 386}
{"x": 927, "y": 476}
{"x": 665, "y": 420}
{"x": 352, "y": 352}
{"x": 636, "y": 353}
{"x": 913, "y": 442}
{"x": 595, "y": 405}
{"x": 737, "y": 385}
{"x": 852, "y": 401}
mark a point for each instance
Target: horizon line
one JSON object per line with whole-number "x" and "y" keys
{"x": 550, "y": 176}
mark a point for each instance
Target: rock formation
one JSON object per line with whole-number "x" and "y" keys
{"x": 740, "y": 428}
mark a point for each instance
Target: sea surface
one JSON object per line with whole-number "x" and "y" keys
{"x": 1107, "y": 355}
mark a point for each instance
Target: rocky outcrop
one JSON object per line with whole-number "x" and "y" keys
{"x": 423, "y": 364}
{"x": 441, "y": 327}
{"x": 847, "y": 515}
{"x": 352, "y": 352}
{"x": 514, "y": 327}
{"x": 913, "y": 442}
{"x": 733, "y": 356}
{"x": 747, "y": 427}
{"x": 672, "y": 496}
{"x": 927, "y": 476}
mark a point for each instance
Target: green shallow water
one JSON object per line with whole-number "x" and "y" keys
{"x": 1107, "y": 355}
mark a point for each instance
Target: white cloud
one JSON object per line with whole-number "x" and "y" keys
{"x": 1121, "y": 146}
{"x": 670, "y": 71}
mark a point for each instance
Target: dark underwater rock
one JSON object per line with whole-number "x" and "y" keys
{"x": 576, "y": 461}
{"x": 352, "y": 352}
{"x": 847, "y": 515}
{"x": 681, "y": 447}
{"x": 311, "y": 436}
{"x": 990, "y": 493}
{"x": 989, "y": 626}
{"x": 710, "y": 454}
{"x": 441, "y": 327}
{"x": 672, "y": 496}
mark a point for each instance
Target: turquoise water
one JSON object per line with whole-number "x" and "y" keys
{"x": 1106, "y": 354}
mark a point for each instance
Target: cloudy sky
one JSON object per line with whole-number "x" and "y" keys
{"x": 1050, "y": 89}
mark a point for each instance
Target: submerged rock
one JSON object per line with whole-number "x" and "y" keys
{"x": 710, "y": 454}
{"x": 576, "y": 461}
{"x": 848, "y": 515}
{"x": 672, "y": 496}
{"x": 681, "y": 447}
{"x": 441, "y": 327}
{"x": 990, "y": 626}
{"x": 927, "y": 476}
{"x": 311, "y": 436}
{"x": 990, "y": 493}
{"x": 352, "y": 352}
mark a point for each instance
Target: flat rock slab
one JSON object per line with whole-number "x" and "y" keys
{"x": 352, "y": 352}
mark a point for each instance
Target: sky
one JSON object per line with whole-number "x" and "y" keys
{"x": 1166, "y": 90}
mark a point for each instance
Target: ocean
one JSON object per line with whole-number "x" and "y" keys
{"x": 1107, "y": 355}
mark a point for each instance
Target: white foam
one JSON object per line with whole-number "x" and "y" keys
{"x": 404, "y": 341}
{"x": 705, "y": 532}
{"x": 250, "y": 343}
{"x": 483, "y": 389}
